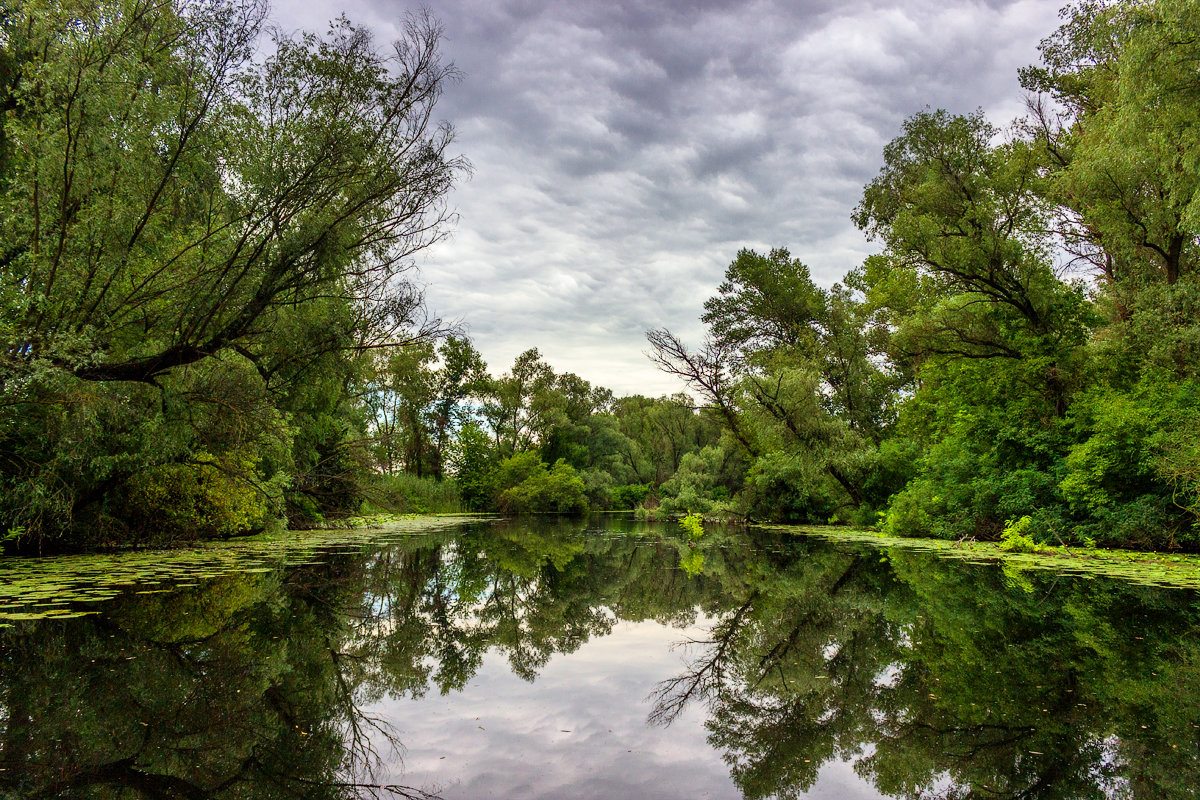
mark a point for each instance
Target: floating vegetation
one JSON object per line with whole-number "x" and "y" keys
{"x": 1145, "y": 569}
{"x": 54, "y": 586}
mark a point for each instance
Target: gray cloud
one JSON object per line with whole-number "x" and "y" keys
{"x": 624, "y": 151}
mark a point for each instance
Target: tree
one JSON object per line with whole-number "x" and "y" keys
{"x": 658, "y": 432}
{"x": 796, "y": 374}
{"x": 516, "y": 421}
{"x": 473, "y": 462}
{"x": 416, "y": 401}
{"x": 172, "y": 208}
{"x": 1120, "y": 134}
{"x": 171, "y": 195}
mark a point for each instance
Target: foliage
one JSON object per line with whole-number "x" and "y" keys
{"x": 1025, "y": 345}
{"x": 404, "y": 493}
{"x": 204, "y": 498}
{"x": 704, "y": 483}
{"x": 1015, "y": 538}
{"x": 630, "y": 496}
{"x": 526, "y": 484}
{"x": 415, "y": 405}
{"x": 692, "y": 525}
{"x": 207, "y": 320}
{"x": 473, "y": 463}
{"x": 203, "y": 231}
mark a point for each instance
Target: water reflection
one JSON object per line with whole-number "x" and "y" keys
{"x": 939, "y": 679}
{"x": 930, "y": 678}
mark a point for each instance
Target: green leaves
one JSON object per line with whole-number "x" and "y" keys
{"x": 178, "y": 214}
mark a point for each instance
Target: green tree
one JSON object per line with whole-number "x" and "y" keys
{"x": 174, "y": 209}
{"x": 526, "y": 484}
{"x": 795, "y": 374}
{"x": 473, "y": 461}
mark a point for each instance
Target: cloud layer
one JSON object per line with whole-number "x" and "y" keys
{"x": 624, "y": 150}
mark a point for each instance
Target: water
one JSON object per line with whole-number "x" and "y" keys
{"x": 599, "y": 659}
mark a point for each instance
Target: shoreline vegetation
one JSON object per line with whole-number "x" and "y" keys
{"x": 1178, "y": 570}
{"x": 211, "y": 325}
{"x": 1149, "y": 568}
{"x": 66, "y": 586}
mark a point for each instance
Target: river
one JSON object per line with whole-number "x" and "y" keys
{"x": 598, "y": 658}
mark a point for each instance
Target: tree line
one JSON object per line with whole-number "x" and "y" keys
{"x": 209, "y": 321}
{"x": 529, "y": 440}
{"x": 1020, "y": 359}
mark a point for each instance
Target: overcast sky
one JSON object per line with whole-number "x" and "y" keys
{"x": 624, "y": 151}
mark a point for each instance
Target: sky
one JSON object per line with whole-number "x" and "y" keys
{"x": 623, "y": 151}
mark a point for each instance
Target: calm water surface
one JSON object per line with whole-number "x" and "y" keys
{"x": 606, "y": 659}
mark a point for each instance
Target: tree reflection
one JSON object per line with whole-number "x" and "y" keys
{"x": 943, "y": 680}
{"x": 935, "y": 679}
{"x": 256, "y": 684}
{"x": 233, "y": 689}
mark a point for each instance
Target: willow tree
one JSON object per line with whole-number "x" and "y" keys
{"x": 188, "y": 231}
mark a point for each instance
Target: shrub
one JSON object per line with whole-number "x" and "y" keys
{"x": 703, "y": 478}
{"x": 527, "y": 485}
{"x": 693, "y": 526}
{"x": 1016, "y": 539}
{"x": 205, "y": 497}
{"x": 629, "y": 496}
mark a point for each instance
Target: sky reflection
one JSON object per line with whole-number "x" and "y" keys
{"x": 579, "y": 730}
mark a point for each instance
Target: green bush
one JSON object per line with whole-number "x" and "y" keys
{"x": 474, "y": 467}
{"x": 629, "y": 496}
{"x": 1016, "y": 539}
{"x": 693, "y": 526}
{"x": 703, "y": 479}
{"x": 528, "y": 486}
{"x": 598, "y": 486}
{"x": 782, "y": 487}
{"x": 912, "y": 511}
{"x": 206, "y": 497}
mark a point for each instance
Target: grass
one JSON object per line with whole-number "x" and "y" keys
{"x": 408, "y": 494}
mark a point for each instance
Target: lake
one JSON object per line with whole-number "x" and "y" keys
{"x": 597, "y": 658}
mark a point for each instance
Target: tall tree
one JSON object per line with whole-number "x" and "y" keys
{"x": 173, "y": 209}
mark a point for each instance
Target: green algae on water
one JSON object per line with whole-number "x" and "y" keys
{"x": 1165, "y": 570}
{"x": 52, "y": 587}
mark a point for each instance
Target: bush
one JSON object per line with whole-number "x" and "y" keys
{"x": 527, "y": 485}
{"x": 693, "y": 526}
{"x": 782, "y": 487}
{"x": 598, "y": 486}
{"x": 629, "y": 496}
{"x": 474, "y": 468}
{"x": 911, "y": 511}
{"x": 206, "y": 497}
{"x": 1016, "y": 539}
{"x": 702, "y": 480}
